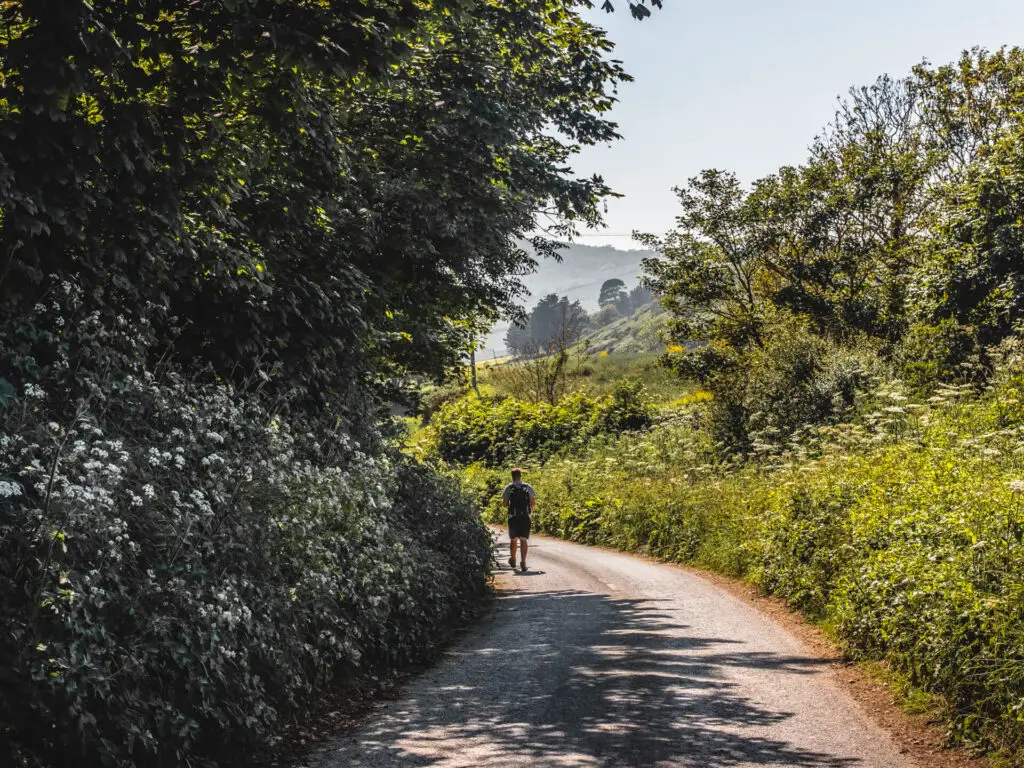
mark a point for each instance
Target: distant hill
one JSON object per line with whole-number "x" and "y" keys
{"x": 579, "y": 276}
{"x": 630, "y": 335}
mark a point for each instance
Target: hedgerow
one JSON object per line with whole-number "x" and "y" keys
{"x": 901, "y": 529}
{"x": 185, "y": 569}
{"x": 496, "y": 430}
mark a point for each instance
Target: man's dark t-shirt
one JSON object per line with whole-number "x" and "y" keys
{"x": 518, "y": 525}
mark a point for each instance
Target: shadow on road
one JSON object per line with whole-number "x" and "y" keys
{"x": 576, "y": 678}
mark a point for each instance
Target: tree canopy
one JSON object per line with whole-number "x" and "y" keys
{"x": 322, "y": 209}
{"x": 902, "y": 228}
{"x": 612, "y": 291}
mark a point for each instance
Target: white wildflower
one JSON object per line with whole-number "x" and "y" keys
{"x": 34, "y": 391}
{"x": 213, "y": 458}
{"x": 8, "y": 489}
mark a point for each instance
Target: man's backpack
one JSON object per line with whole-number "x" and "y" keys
{"x": 518, "y": 501}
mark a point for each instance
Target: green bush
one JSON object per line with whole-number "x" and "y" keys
{"x": 499, "y": 430}
{"x": 484, "y": 485}
{"x": 913, "y": 553}
{"x": 930, "y": 354}
{"x": 793, "y": 378}
{"x": 432, "y": 398}
{"x": 183, "y": 570}
{"x": 902, "y": 530}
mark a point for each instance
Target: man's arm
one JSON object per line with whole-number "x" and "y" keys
{"x": 533, "y": 499}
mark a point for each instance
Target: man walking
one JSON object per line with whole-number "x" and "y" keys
{"x": 519, "y": 500}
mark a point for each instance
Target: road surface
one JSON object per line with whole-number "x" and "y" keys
{"x": 594, "y": 658}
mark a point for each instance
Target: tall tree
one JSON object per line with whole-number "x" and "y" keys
{"x": 710, "y": 265}
{"x": 976, "y": 276}
{"x": 205, "y": 166}
{"x": 612, "y": 292}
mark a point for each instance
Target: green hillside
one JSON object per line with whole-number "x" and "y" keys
{"x": 631, "y": 335}
{"x": 578, "y": 276}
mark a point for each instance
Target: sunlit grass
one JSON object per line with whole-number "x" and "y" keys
{"x": 599, "y": 374}
{"x": 901, "y": 529}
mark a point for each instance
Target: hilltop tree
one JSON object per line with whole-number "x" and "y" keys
{"x": 613, "y": 291}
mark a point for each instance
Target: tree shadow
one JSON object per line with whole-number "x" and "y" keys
{"x": 577, "y": 678}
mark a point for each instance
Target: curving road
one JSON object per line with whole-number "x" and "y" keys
{"x": 594, "y": 658}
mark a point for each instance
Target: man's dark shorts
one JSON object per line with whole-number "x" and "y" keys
{"x": 519, "y": 527}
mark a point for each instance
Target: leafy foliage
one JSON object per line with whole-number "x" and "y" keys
{"x": 901, "y": 528}
{"x": 899, "y": 230}
{"x": 230, "y": 234}
{"x": 181, "y": 563}
{"x": 498, "y": 430}
{"x": 254, "y": 204}
{"x": 792, "y": 378}
{"x": 709, "y": 267}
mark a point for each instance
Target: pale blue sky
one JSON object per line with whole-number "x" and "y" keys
{"x": 746, "y": 85}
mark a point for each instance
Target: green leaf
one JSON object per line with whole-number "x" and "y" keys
{"x": 6, "y": 392}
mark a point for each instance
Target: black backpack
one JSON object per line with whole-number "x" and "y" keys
{"x": 518, "y": 501}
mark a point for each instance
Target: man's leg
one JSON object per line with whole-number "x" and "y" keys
{"x": 523, "y": 546}
{"x": 512, "y": 552}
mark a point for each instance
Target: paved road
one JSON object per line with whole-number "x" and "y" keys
{"x": 598, "y": 659}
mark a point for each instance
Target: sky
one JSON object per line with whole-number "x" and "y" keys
{"x": 746, "y": 85}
